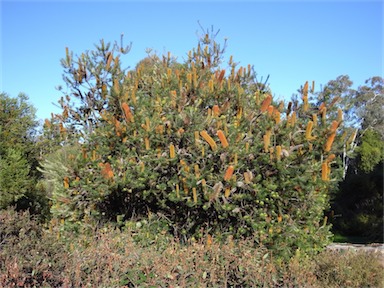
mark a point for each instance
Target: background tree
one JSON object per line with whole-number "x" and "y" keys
{"x": 369, "y": 103}
{"x": 358, "y": 204}
{"x": 19, "y": 155}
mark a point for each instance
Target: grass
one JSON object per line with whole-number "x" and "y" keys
{"x": 32, "y": 256}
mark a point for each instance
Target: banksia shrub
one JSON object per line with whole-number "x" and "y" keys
{"x": 204, "y": 147}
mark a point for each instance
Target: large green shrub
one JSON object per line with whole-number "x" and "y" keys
{"x": 205, "y": 147}
{"x": 19, "y": 156}
{"x": 14, "y": 178}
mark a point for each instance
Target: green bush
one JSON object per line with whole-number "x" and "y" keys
{"x": 19, "y": 154}
{"x": 205, "y": 147}
{"x": 14, "y": 178}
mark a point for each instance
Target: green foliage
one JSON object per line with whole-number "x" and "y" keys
{"x": 359, "y": 204}
{"x": 156, "y": 145}
{"x": 14, "y": 178}
{"x": 17, "y": 125}
{"x": 55, "y": 167}
{"x": 19, "y": 157}
{"x": 370, "y": 151}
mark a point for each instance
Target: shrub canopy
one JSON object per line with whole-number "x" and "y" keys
{"x": 205, "y": 147}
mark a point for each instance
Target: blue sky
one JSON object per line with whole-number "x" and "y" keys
{"x": 292, "y": 41}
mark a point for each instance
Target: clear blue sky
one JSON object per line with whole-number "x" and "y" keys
{"x": 290, "y": 41}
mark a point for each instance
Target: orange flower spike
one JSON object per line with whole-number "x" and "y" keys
{"x": 278, "y": 153}
{"x": 334, "y": 126}
{"x": 324, "y": 171}
{"x": 147, "y": 124}
{"x": 47, "y": 123}
{"x": 127, "y": 112}
{"x": 293, "y": 118}
{"x": 308, "y": 131}
{"x": 109, "y": 60}
{"x": 172, "y": 153}
{"x": 197, "y": 170}
{"x": 146, "y": 141}
{"x": 305, "y": 89}
{"x": 257, "y": 97}
{"x": 229, "y": 173}
{"x": 189, "y": 78}
{"x": 314, "y": 119}
{"x": 305, "y": 105}
{"x": 142, "y": 166}
{"x": 229, "y": 84}
{"x": 210, "y": 85}
{"x": 227, "y": 192}
{"x": 270, "y": 110}
{"x": 267, "y": 140}
{"x": 277, "y": 116}
{"x": 66, "y": 182}
{"x": 267, "y": 101}
{"x": 84, "y": 154}
{"x": 194, "y": 193}
{"x": 328, "y": 144}
{"x": 305, "y": 96}
{"x": 209, "y": 139}
{"x": 107, "y": 172}
{"x": 222, "y": 138}
{"x": 177, "y": 191}
{"x": 196, "y": 133}
{"x": 173, "y": 95}
{"x": 62, "y": 128}
{"x": 221, "y": 76}
{"x": 216, "y": 110}
{"x": 204, "y": 185}
{"x": 209, "y": 237}
{"x": 331, "y": 158}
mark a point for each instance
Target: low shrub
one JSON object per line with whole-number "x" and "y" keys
{"x": 36, "y": 256}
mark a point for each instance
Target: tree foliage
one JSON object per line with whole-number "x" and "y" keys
{"x": 17, "y": 124}
{"x": 19, "y": 155}
{"x": 15, "y": 181}
{"x": 369, "y": 102}
{"x": 200, "y": 145}
{"x": 358, "y": 201}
